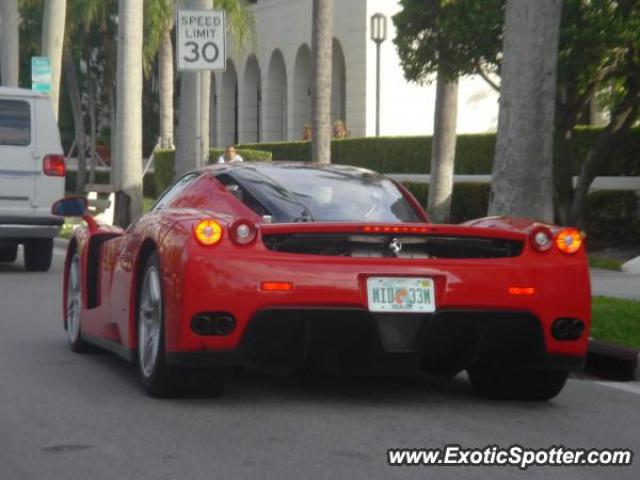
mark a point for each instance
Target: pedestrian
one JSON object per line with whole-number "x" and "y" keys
{"x": 230, "y": 155}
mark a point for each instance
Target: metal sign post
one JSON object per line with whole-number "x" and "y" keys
{"x": 200, "y": 46}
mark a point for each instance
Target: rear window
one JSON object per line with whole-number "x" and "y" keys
{"x": 299, "y": 193}
{"x": 15, "y": 122}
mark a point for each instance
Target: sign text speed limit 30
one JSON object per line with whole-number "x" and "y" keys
{"x": 200, "y": 40}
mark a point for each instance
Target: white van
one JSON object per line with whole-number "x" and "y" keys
{"x": 32, "y": 174}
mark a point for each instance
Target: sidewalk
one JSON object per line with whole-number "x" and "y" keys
{"x": 615, "y": 284}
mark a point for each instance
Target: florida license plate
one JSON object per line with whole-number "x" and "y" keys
{"x": 394, "y": 294}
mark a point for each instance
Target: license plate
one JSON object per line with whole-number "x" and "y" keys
{"x": 393, "y": 294}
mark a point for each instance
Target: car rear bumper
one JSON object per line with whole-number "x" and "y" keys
{"x": 476, "y": 318}
{"x": 441, "y": 343}
{"x": 20, "y": 228}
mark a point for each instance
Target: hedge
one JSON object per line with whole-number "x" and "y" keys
{"x": 612, "y": 214}
{"x": 474, "y": 153}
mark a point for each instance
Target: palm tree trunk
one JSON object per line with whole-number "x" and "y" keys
{"x": 165, "y": 67}
{"x": 523, "y": 168}
{"x": 128, "y": 153}
{"x": 93, "y": 125}
{"x": 73, "y": 88}
{"x": 443, "y": 149}
{"x": 193, "y": 129}
{"x": 322, "y": 44}
{"x": 52, "y": 43}
{"x": 9, "y": 43}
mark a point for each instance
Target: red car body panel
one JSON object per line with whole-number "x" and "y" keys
{"x": 226, "y": 277}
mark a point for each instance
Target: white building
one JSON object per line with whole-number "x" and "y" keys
{"x": 264, "y": 94}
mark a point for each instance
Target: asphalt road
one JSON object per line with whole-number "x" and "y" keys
{"x": 69, "y": 416}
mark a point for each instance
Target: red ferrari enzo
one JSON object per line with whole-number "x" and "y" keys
{"x": 291, "y": 264}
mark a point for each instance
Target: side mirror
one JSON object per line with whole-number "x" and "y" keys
{"x": 70, "y": 207}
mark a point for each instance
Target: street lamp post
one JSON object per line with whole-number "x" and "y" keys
{"x": 378, "y": 35}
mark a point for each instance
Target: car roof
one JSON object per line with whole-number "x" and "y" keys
{"x": 19, "y": 92}
{"x": 265, "y": 167}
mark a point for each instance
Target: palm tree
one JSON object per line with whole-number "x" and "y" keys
{"x": 9, "y": 42}
{"x": 89, "y": 41}
{"x": 322, "y": 44}
{"x": 52, "y": 43}
{"x": 158, "y": 23}
{"x": 128, "y": 175}
{"x": 522, "y": 182}
{"x": 443, "y": 149}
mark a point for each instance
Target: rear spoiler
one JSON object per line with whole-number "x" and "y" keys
{"x": 390, "y": 229}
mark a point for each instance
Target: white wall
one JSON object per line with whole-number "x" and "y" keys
{"x": 406, "y": 108}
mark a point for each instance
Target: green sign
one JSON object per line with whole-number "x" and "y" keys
{"x": 40, "y": 74}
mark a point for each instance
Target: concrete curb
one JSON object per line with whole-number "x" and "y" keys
{"x": 611, "y": 361}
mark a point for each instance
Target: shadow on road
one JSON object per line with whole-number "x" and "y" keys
{"x": 253, "y": 388}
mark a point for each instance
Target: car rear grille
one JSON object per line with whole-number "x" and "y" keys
{"x": 411, "y": 246}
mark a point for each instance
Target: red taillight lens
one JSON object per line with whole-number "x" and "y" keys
{"x": 541, "y": 239}
{"x": 522, "y": 291}
{"x": 276, "y": 286}
{"x": 243, "y": 232}
{"x": 208, "y": 232}
{"x": 569, "y": 240}
{"x": 53, "y": 165}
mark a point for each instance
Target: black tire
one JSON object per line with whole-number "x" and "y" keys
{"x": 158, "y": 378}
{"x": 8, "y": 254}
{"x": 38, "y": 254}
{"x": 517, "y": 385}
{"x": 74, "y": 304}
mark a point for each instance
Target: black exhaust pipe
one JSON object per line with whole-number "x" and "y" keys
{"x": 567, "y": 329}
{"x": 218, "y": 324}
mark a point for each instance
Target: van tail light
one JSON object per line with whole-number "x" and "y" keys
{"x": 243, "y": 232}
{"x": 569, "y": 240}
{"x": 541, "y": 239}
{"x": 53, "y": 165}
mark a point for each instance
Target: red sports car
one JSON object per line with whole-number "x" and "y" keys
{"x": 291, "y": 264}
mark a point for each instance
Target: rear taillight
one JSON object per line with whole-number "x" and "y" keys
{"x": 53, "y": 165}
{"x": 541, "y": 239}
{"x": 569, "y": 240}
{"x": 243, "y": 232}
{"x": 208, "y": 232}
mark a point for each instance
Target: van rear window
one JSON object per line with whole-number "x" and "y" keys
{"x": 15, "y": 122}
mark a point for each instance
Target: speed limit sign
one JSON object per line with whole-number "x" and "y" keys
{"x": 200, "y": 40}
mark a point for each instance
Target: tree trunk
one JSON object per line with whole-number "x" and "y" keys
{"x": 128, "y": 153}
{"x": 73, "y": 89}
{"x": 52, "y": 43}
{"x": 165, "y": 86}
{"x": 93, "y": 125}
{"x": 193, "y": 120}
{"x": 523, "y": 168}
{"x": 622, "y": 119}
{"x": 321, "y": 78}
{"x": 9, "y": 43}
{"x": 113, "y": 166}
{"x": 443, "y": 149}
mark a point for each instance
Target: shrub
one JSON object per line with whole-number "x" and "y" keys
{"x": 613, "y": 215}
{"x": 474, "y": 153}
{"x": 469, "y": 201}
